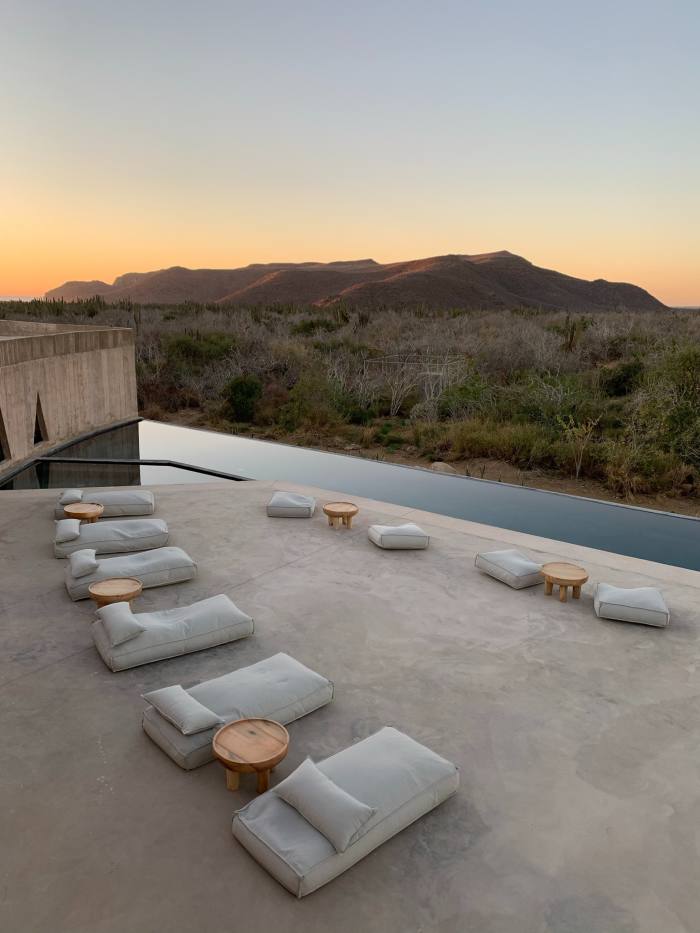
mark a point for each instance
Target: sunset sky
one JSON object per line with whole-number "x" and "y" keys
{"x": 138, "y": 135}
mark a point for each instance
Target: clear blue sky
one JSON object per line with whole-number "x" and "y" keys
{"x": 140, "y": 135}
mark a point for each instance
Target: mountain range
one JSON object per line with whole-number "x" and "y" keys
{"x": 484, "y": 281}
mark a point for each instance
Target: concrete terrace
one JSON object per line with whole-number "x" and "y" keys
{"x": 578, "y": 740}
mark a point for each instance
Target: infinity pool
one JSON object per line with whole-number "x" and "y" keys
{"x": 644, "y": 533}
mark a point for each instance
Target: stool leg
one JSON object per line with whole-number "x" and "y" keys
{"x": 348, "y": 521}
{"x": 263, "y": 781}
{"x": 562, "y": 593}
{"x": 576, "y": 593}
{"x": 548, "y": 587}
{"x": 232, "y": 779}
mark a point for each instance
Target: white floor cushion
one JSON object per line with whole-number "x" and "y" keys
{"x": 643, "y": 604}
{"x": 278, "y": 688}
{"x": 116, "y": 501}
{"x": 389, "y": 772}
{"x": 117, "y": 537}
{"x": 158, "y": 567}
{"x": 291, "y": 505}
{"x": 169, "y": 633}
{"x": 511, "y": 567}
{"x": 408, "y": 537}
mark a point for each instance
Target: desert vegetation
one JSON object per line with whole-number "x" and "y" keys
{"x": 611, "y": 396}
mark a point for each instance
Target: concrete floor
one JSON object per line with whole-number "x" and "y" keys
{"x": 578, "y": 739}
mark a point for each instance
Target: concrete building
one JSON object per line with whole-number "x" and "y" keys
{"x": 59, "y": 381}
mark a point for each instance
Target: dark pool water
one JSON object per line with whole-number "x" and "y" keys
{"x": 659, "y": 536}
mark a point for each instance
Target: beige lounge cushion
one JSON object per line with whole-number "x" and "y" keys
{"x": 511, "y": 567}
{"x": 278, "y": 688}
{"x": 116, "y": 502}
{"x": 334, "y": 812}
{"x": 110, "y": 537}
{"x": 290, "y": 505}
{"x": 407, "y": 537}
{"x": 390, "y": 772}
{"x": 169, "y": 633}
{"x": 643, "y": 604}
{"x": 158, "y": 567}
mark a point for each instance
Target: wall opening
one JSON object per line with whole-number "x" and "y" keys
{"x": 4, "y": 446}
{"x": 40, "y": 432}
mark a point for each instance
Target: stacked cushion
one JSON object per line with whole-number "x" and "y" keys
{"x": 119, "y": 624}
{"x": 82, "y": 563}
{"x": 118, "y": 537}
{"x": 291, "y": 505}
{"x": 408, "y": 537}
{"x": 188, "y": 715}
{"x": 642, "y": 604}
{"x": 278, "y": 688}
{"x": 166, "y": 633}
{"x": 389, "y": 773}
{"x": 330, "y": 809}
{"x": 158, "y": 567}
{"x": 511, "y": 567}
{"x": 116, "y": 502}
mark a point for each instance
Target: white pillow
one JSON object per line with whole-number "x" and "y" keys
{"x": 182, "y": 710}
{"x": 329, "y": 809}
{"x": 69, "y": 496}
{"x": 83, "y": 562}
{"x": 120, "y": 623}
{"x": 68, "y": 529}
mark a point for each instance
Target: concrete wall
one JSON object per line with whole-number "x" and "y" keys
{"x": 84, "y": 378}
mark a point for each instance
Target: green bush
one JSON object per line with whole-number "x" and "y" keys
{"x": 311, "y": 404}
{"x": 197, "y": 351}
{"x": 352, "y": 410}
{"x": 544, "y": 399}
{"x": 622, "y": 379}
{"x": 392, "y": 440}
{"x": 670, "y": 409}
{"x": 472, "y": 396}
{"x": 268, "y": 407}
{"x": 313, "y": 325}
{"x": 523, "y": 444}
{"x": 629, "y": 470}
{"x": 241, "y": 395}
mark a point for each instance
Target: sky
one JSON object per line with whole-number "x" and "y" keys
{"x": 141, "y": 135}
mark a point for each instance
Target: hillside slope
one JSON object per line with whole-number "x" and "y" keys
{"x": 484, "y": 281}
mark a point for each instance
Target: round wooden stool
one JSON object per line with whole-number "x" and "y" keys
{"x": 564, "y": 575}
{"x": 115, "y": 590}
{"x": 250, "y": 746}
{"x": 340, "y": 513}
{"x": 87, "y": 512}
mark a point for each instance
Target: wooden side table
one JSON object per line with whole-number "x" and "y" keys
{"x": 340, "y": 513}
{"x": 115, "y": 590}
{"x": 250, "y": 746}
{"x": 564, "y": 575}
{"x": 87, "y": 512}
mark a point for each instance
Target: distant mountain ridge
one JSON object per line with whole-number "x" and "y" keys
{"x": 485, "y": 281}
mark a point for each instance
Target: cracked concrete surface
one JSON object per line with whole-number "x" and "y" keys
{"x": 577, "y": 739}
